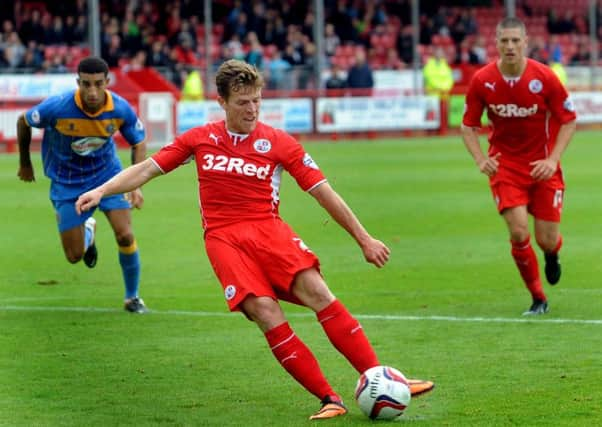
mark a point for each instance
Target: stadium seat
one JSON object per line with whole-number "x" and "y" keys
{"x": 50, "y": 52}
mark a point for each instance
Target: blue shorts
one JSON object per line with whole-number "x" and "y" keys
{"x": 67, "y": 218}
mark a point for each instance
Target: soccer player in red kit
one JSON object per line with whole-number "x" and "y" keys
{"x": 532, "y": 121}
{"x": 256, "y": 256}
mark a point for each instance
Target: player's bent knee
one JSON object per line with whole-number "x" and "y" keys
{"x": 519, "y": 234}
{"x": 264, "y": 311}
{"x": 74, "y": 256}
{"x": 124, "y": 239}
{"x": 547, "y": 239}
{"x": 315, "y": 295}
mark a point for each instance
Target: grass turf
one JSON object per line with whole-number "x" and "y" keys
{"x": 447, "y": 306}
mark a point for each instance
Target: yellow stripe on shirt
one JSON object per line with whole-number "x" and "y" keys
{"x": 88, "y": 127}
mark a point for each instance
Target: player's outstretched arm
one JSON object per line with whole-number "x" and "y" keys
{"x": 127, "y": 180}
{"x": 25, "y": 172}
{"x": 136, "y": 197}
{"x": 375, "y": 251}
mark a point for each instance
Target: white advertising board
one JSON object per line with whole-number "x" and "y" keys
{"x": 588, "y": 106}
{"x": 292, "y": 115}
{"x": 349, "y": 114}
{"x": 35, "y": 87}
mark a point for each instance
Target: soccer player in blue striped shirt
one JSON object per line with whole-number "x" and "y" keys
{"x": 78, "y": 154}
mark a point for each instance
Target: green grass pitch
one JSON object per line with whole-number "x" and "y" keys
{"x": 447, "y": 306}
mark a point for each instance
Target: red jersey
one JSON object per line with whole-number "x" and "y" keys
{"x": 525, "y": 115}
{"x": 239, "y": 179}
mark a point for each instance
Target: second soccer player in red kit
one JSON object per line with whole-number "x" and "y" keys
{"x": 256, "y": 256}
{"x": 532, "y": 121}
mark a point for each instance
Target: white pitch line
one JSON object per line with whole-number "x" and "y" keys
{"x": 389, "y": 317}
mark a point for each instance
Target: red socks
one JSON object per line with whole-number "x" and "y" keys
{"x": 343, "y": 331}
{"x": 347, "y": 335}
{"x": 526, "y": 261}
{"x": 298, "y": 360}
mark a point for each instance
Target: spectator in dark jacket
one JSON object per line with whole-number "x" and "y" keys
{"x": 336, "y": 80}
{"x": 360, "y": 74}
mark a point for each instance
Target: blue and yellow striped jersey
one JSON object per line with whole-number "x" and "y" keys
{"x": 78, "y": 151}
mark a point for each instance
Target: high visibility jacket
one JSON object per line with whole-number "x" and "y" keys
{"x": 438, "y": 77}
{"x": 193, "y": 86}
{"x": 558, "y": 68}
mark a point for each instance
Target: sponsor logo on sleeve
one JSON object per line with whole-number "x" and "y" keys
{"x": 35, "y": 116}
{"x": 569, "y": 105}
{"x": 309, "y": 162}
{"x": 139, "y": 125}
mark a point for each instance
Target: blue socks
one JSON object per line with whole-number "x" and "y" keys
{"x": 129, "y": 259}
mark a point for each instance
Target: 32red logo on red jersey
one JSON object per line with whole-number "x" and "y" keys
{"x": 512, "y": 110}
{"x": 234, "y": 165}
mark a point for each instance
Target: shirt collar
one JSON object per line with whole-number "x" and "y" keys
{"x": 109, "y": 105}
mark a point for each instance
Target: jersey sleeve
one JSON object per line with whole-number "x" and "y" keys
{"x": 300, "y": 164}
{"x": 132, "y": 128}
{"x": 559, "y": 101}
{"x": 474, "y": 105}
{"x": 173, "y": 155}
{"x": 43, "y": 115}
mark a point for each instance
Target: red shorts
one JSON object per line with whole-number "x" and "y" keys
{"x": 513, "y": 186}
{"x": 258, "y": 258}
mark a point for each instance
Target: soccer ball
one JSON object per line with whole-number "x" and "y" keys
{"x": 382, "y": 393}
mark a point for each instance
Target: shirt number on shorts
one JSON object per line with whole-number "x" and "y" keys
{"x": 557, "y": 199}
{"x": 301, "y": 244}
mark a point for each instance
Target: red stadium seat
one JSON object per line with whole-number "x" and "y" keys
{"x": 49, "y": 52}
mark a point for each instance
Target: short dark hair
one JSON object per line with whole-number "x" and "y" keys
{"x": 234, "y": 75}
{"x": 93, "y": 65}
{"x": 510, "y": 22}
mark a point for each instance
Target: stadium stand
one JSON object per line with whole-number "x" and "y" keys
{"x": 51, "y": 37}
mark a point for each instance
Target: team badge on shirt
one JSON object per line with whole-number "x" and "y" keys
{"x": 535, "y": 86}
{"x": 229, "y": 292}
{"x": 262, "y": 145}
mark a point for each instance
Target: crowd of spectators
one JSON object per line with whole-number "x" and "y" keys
{"x": 276, "y": 36}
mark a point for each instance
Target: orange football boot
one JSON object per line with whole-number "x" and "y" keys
{"x": 419, "y": 387}
{"x": 330, "y": 408}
